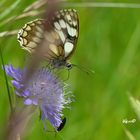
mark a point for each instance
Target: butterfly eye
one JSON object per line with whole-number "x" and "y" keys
{"x": 68, "y": 66}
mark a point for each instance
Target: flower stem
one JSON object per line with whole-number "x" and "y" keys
{"x": 6, "y": 82}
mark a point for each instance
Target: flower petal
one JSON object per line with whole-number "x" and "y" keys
{"x": 28, "y": 102}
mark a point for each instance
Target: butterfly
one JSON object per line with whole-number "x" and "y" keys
{"x": 61, "y": 37}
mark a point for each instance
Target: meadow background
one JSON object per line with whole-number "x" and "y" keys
{"x": 109, "y": 44}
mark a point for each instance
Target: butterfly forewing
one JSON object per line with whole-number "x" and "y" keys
{"x": 66, "y": 24}
{"x": 61, "y": 38}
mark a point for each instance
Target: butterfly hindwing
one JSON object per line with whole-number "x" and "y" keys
{"x": 31, "y": 34}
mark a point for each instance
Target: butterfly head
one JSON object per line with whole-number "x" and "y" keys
{"x": 68, "y": 65}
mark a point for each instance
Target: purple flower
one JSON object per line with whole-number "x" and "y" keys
{"x": 43, "y": 90}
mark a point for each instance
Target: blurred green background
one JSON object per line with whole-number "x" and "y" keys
{"x": 109, "y": 44}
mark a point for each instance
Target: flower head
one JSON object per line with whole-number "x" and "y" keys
{"x": 43, "y": 90}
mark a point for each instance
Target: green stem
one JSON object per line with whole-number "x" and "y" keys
{"x": 6, "y": 81}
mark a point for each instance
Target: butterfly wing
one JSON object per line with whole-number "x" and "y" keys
{"x": 61, "y": 39}
{"x": 66, "y": 24}
{"x": 31, "y": 35}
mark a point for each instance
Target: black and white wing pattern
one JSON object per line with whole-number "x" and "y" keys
{"x": 31, "y": 35}
{"x": 62, "y": 37}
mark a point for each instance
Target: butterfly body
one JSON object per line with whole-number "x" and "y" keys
{"x": 59, "y": 62}
{"x": 60, "y": 39}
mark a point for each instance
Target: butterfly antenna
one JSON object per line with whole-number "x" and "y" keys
{"x": 68, "y": 74}
{"x": 84, "y": 69}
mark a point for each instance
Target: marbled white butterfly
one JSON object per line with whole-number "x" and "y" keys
{"x": 61, "y": 38}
